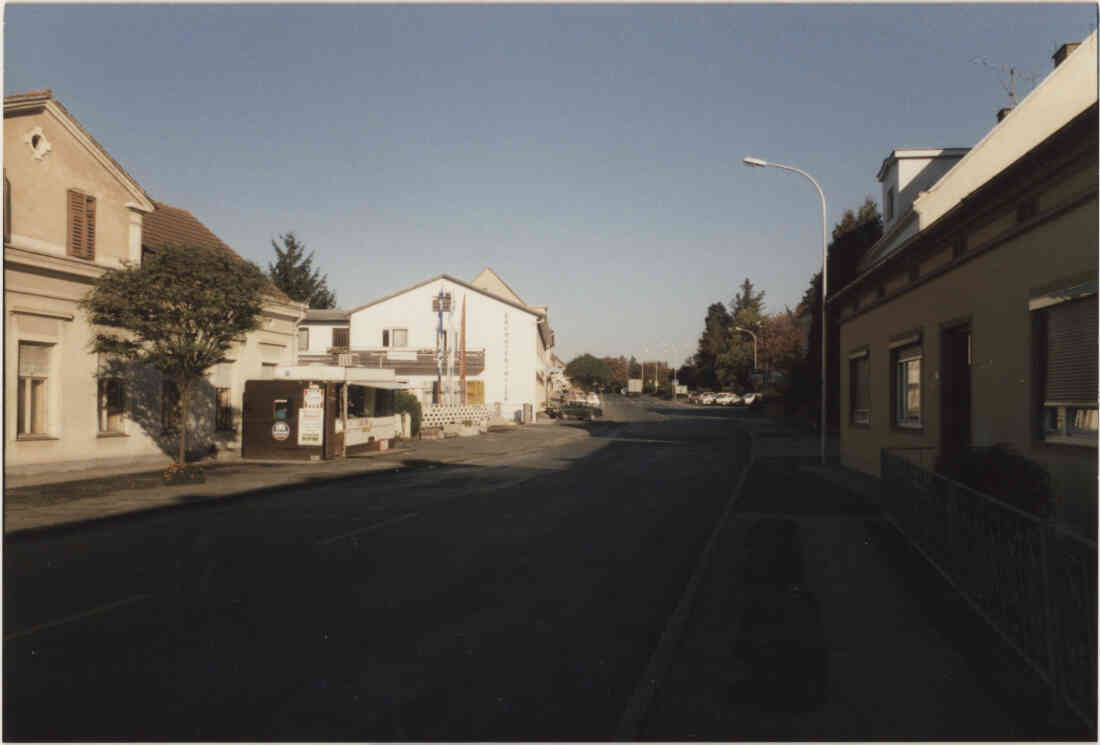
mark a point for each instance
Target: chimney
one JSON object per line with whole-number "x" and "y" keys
{"x": 1064, "y": 51}
{"x": 1003, "y": 113}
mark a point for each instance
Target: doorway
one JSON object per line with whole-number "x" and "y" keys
{"x": 956, "y": 351}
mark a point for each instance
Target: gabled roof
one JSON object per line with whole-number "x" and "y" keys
{"x": 176, "y": 227}
{"x": 449, "y": 278}
{"x": 43, "y": 99}
{"x": 492, "y": 283}
{"x": 326, "y": 314}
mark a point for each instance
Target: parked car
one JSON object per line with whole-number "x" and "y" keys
{"x": 753, "y": 399}
{"x": 706, "y": 399}
{"x": 593, "y": 399}
{"x": 727, "y": 399}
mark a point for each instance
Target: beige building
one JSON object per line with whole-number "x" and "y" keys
{"x": 973, "y": 321}
{"x": 70, "y": 213}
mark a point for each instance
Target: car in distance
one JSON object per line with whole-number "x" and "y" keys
{"x": 727, "y": 399}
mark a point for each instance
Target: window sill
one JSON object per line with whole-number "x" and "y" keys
{"x": 111, "y": 434}
{"x": 35, "y": 438}
{"x": 915, "y": 429}
{"x": 1072, "y": 441}
{"x": 859, "y": 425}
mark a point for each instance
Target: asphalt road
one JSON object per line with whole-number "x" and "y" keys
{"x": 518, "y": 598}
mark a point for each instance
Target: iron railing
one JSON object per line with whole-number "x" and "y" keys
{"x": 1031, "y": 579}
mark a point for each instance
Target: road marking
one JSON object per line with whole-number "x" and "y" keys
{"x": 369, "y": 528}
{"x": 76, "y": 617}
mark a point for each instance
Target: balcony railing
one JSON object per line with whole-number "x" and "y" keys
{"x": 1032, "y": 580}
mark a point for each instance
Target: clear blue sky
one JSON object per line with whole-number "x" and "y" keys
{"x": 590, "y": 154}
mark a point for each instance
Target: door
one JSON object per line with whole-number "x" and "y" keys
{"x": 334, "y": 423}
{"x": 955, "y": 361}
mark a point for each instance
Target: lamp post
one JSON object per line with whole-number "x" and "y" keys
{"x": 758, "y": 163}
{"x": 738, "y": 328}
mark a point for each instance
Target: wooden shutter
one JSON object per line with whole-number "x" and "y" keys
{"x": 81, "y": 225}
{"x": 89, "y": 228}
{"x": 1071, "y": 360}
{"x": 76, "y": 224}
{"x": 339, "y": 337}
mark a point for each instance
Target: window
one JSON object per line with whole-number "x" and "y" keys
{"x": 280, "y": 409}
{"x": 889, "y": 204}
{"x": 112, "y": 405}
{"x": 859, "y": 369}
{"x": 81, "y": 235}
{"x": 267, "y": 370}
{"x": 1069, "y": 371}
{"x": 340, "y": 337}
{"x": 303, "y": 340}
{"x": 360, "y": 401}
{"x": 395, "y": 337}
{"x": 907, "y": 387}
{"x": 223, "y": 414}
{"x": 169, "y": 406}
{"x": 34, "y": 374}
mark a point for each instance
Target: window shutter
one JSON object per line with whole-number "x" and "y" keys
{"x": 76, "y": 223}
{"x": 340, "y": 337}
{"x": 34, "y": 360}
{"x": 89, "y": 228}
{"x": 385, "y": 337}
{"x": 1071, "y": 361}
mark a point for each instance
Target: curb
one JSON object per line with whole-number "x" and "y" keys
{"x": 630, "y": 723}
{"x": 309, "y": 481}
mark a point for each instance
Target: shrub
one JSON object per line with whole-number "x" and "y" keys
{"x": 1001, "y": 472}
{"x": 177, "y": 474}
{"x": 407, "y": 403}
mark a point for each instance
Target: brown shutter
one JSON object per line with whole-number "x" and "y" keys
{"x": 89, "y": 228}
{"x": 340, "y": 337}
{"x": 1071, "y": 362}
{"x": 76, "y": 223}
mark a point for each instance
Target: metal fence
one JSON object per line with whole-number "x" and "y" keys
{"x": 1031, "y": 579}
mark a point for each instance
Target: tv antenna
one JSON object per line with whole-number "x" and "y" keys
{"x": 1010, "y": 89}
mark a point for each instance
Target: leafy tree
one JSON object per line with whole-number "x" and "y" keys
{"x": 713, "y": 342}
{"x": 635, "y": 368}
{"x": 589, "y": 372}
{"x": 293, "y": 273}
{"x": 853, "y": 236}
{"x": 407, "y": 403}
{"x": 178, "y": 312}
{"x": 618, "y": 367}
{"x": 780, "y": 345}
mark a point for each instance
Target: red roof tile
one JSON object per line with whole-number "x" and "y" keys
{"x": 173, "y": 226}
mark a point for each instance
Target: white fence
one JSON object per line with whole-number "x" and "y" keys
{"x": 438, "y": 415}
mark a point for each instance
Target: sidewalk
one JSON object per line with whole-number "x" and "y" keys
{"x": 45, "y": 502}
{"x": 814, "y": 620}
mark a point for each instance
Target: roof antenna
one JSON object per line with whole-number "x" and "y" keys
{"x": 1012, "y": 75}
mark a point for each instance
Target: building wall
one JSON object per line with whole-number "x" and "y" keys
{"x": 506, "y": 333}
{"x": 992, "y": 291}
{"x": 40, "y": 191}
{"x": 42, "y": 288}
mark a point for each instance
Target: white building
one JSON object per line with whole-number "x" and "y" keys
{"x": 412, "y": 333}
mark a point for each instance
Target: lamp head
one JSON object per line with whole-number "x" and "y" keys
{"x": 755, "y": 162}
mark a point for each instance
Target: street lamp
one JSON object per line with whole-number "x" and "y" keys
{"x": 758, "y": 163}
{"x": 738, "y": 328}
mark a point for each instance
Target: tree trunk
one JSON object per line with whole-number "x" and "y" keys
{"x": 185, "y": 396}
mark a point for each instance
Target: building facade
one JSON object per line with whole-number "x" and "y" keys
{"x": 70, "y": 213}
{"x": 979, "y": 327}
{"x": 418, "y": 332}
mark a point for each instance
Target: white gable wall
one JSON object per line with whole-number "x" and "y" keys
{"x": 507, "y": 334}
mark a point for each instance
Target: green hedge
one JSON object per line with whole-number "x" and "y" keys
{"x": 406, "y": 403}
